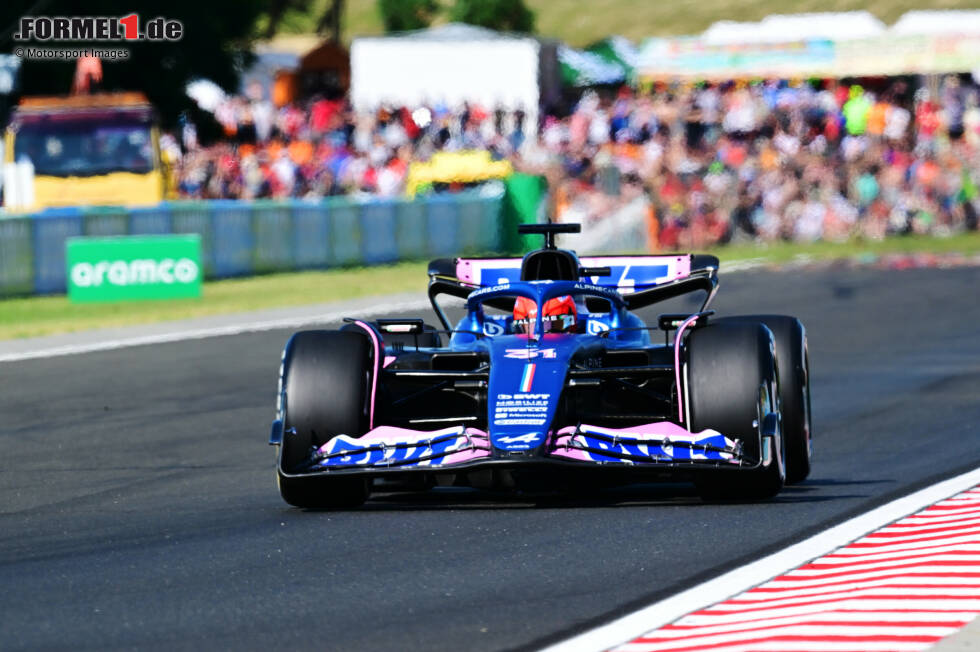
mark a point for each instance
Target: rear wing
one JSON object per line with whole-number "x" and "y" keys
{"x": 642, "y": 280}
{"x": 626, "y": 274}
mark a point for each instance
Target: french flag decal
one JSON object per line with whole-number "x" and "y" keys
{"x": 528, "y": 377}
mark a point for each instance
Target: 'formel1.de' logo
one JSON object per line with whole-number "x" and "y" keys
{"x": 97, "y": 28}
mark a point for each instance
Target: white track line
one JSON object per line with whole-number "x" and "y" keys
{"x": 215, "y": 331}
{"x": 630, "y": 626}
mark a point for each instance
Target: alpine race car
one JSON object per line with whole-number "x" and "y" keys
{"x": 548, "y": 379}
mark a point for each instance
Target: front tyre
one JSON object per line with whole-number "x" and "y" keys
{"x": 793, "y": 366}
{"x": 733, "y": 386}
{"x": 324, "y": 393}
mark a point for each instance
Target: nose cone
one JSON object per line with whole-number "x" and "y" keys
{"x": 526, "y": 380}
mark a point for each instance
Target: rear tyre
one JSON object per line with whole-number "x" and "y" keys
{"x": 732, "y": 381}
{"x": 793, "y": 366}
{"x": 325, "y": 384}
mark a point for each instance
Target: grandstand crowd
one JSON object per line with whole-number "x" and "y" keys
{"x": 709, "y": 163}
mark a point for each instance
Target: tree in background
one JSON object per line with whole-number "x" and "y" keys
{"x": 506, "y": 15}
{"x": 403, "y": 15}
{"x": 327, "y": 22}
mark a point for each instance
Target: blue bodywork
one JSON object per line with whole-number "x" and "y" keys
{"x": 496, "y": 394}
{"x": 528, "y": 373}
{"x": 507, "y": 404}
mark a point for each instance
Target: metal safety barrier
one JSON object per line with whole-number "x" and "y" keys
{"x": 242, "y": 238}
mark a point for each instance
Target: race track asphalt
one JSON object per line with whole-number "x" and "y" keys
{"x": 138, "y": 508}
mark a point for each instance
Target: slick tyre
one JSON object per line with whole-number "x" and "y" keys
{"x": 325, "y": 383}
{"x": 733, "y": 383}
{"x": 793, "y": 367}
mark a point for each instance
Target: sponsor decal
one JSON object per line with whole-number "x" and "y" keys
{"x": 413, "y": 451}
{"x": 595, "y": 327}
{"x": 134, "y": 267}
{"x": 492, "y": 328}
{"x": 615, "y": 445}
{"x": 519, "y": 442}
{"x": 594, "y": 289}
{"x": 488, "y": 290}
{"x": 520, "y": 439}
{"x": 522, "y": 409}
{"x": 530, "y": 354}
{"x": 134, "y": 272}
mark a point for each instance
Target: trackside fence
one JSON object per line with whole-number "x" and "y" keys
{"x": 241, "y": 238}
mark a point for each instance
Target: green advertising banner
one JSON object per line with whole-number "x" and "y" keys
{"x": 130, "y": 268}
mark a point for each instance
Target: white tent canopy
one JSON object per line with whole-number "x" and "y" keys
{"x": 453, "y": 64}
{"x": 778, "y": 28}
{"x": 937, "y": 23}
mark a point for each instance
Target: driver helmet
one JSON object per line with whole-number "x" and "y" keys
{"x": 559, "y": 316}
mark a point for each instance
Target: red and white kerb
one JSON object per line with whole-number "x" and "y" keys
{"x": 902, "y": 587}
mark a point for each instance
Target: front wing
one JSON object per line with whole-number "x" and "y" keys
{"x": 661, "y": 445}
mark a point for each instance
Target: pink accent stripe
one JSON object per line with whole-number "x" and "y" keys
{"x": 377, "y": 367}
{"x": 470, "y": 270}
{"x": 394, "y": 434}
{"x": 677, "y": 365}
{"x": 480, "y": 442}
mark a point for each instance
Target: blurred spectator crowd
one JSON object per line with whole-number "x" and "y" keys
{"x": 705, "y": 164}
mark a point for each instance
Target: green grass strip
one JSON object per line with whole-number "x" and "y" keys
{"x": 34, "y": 316}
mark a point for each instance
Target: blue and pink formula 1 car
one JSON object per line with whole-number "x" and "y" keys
{"x": 549, "y": 380}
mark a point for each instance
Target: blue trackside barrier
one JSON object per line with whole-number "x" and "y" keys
{"x": 494, "y": 227}
{"x": 272, "y": 226}
{"x": 104, "y": 221}
{"x": 240, "y": 238}
{"x": 51, "y": 229}
{"x": 411, "y": 235}
{"x": 233, "y": 241}
{"x": 345, "y": 232}
{"x": 152, "y": 220}
{"x": 311, "y": 236}
{"x": 443, "y": 226}
{"x": 16, "y": 256}
{"x": 378, "y": 230}
{"x": 196, "y": 217}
